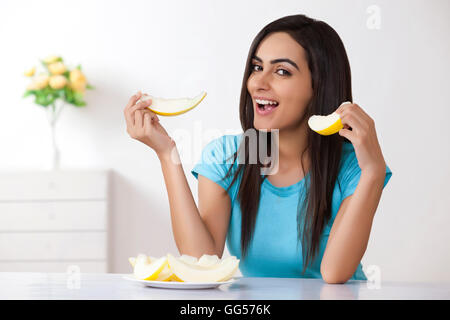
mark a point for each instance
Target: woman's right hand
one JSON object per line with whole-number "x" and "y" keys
{"x": 143, "y": 125}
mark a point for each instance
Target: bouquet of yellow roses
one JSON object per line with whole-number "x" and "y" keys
{"x": 57, "y": 82}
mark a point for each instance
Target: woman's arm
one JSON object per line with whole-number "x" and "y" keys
{"x": 350, "y": 232}
{"x": 201, "y": 230}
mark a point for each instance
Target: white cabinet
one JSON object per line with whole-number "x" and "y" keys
{"x": 50, "y": 220}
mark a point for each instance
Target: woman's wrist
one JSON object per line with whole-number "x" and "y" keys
{"x": 169, "y": 156}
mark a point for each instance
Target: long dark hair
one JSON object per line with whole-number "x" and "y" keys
{"x": 331, "y": 84}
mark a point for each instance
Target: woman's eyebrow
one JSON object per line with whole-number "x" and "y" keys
{"x": 278, "y": 60}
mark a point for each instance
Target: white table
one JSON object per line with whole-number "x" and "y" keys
{"x": 110, "y": 286}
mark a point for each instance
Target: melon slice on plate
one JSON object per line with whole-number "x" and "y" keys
{"x": 173, "y": 107}
{"x": 188, "y": 259}
{"x": 164, "y": 275}
{"x": 231, "y": 271}
{"x": 207, "y": 260}
{"x": 143, "y": 270}
{"x": 167, "y": 275}
{"x": 216, "y": 272}
{"x": 142, "y": 258}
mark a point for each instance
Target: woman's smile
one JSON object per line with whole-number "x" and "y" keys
{"x": 265, "y": 109}
{"x": 265, "y": 105}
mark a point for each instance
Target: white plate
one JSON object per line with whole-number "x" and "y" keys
{"x": 178, "y": 285}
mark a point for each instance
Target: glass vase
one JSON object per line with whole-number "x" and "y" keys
{"x": 54, "y": 111}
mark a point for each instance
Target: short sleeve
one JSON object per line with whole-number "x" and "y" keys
{"x": 215, "y": 161}
{"x": 350, "y": 173}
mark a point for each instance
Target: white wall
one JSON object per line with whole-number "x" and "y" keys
{"x": 177, "y": 48}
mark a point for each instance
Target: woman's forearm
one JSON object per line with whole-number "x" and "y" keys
{"x": 191, "y": 235}
{"x": 350, "y": 233}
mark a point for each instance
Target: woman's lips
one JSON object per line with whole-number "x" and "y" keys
{"x": 268, "y": 109}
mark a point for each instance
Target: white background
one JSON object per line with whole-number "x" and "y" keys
{"x": 178, "y": 48}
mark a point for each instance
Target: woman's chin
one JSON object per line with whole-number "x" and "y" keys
{"x": 264, "y": 127}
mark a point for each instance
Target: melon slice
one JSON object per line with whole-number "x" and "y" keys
{"x": 232, "y": 271}
{"x": 143, "y": 270}
{"x": 198, "y": 273}
{"x": 165, "y": 275}
{"x": 173, "y": 107}
{"x": 142, "y": 258}
{"x": 326, "y": 125}
{"x": 189, "y": 259}
{"x": 207, "y": 260}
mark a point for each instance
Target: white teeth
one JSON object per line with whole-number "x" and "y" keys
{"x": 265, "y": 102}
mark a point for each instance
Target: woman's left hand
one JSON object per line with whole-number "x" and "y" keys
{"x": 363, "y": 137}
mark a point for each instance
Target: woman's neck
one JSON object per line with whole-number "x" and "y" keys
{"x": 292, "y": 143}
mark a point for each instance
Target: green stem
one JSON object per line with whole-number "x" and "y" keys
{"x": 56, "y": 112}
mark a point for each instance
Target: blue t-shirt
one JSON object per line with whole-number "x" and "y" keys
{"x": 274, "y": 250}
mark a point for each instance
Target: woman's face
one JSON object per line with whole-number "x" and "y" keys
{"x": 280, "y": 73}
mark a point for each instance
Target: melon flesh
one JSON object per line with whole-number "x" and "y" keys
{"x": 208, "y": 260}
{"x": 173, "y": 107}
{"x": 143, "y": 270}
{"x": 208, "y": 268}
{"x": 326, "y": 125}
{"x": 221, "y": 271}
{"x": 165, "y": 275}
{"x": 189, "y": 259}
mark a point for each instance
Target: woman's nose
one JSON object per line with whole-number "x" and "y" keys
{"x": 261, "y": 81}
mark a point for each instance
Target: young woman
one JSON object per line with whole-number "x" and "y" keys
{"x": 312, "y": 216}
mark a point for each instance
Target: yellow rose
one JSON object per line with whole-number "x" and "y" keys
{"x": 30, "y": 72}
{"x": 57, "y": 82}
{"x": 40, "y": 82}
{"x": 57, "y": 68}
{"x": 51, "y": 59}
{"x": 77, "y": 80}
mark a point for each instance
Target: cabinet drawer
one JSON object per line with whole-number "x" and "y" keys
{"x": 51, "y": 185}
{"x": 33, "y": 266}
{"x": 62, "y": 215}
{"x": 43, "y": 246}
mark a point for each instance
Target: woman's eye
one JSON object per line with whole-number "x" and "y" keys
{"x": 253, "y": 67}
{"x": 286, "y": 73}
